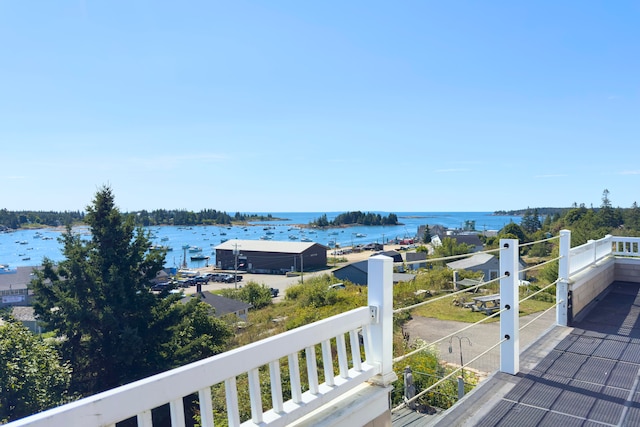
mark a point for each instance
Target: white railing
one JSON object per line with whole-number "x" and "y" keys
{"x": 330, "y": 336}
{"x": 625, "y": 246}
{"x": 593, "y": 251}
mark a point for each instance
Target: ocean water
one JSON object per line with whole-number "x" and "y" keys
{"x": 30, "y": 247}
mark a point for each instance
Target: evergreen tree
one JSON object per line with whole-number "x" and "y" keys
{"x": 97, "y": 300}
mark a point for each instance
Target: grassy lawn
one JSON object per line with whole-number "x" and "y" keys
{"x": 445, "y": 310}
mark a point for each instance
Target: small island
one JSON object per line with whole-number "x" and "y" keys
{"x": 355, "y": 218}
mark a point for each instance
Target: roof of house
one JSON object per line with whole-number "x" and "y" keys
{"x": 267, "y": 246}
{"x": 363, "y": 266}
{"x": 415, "y": 256}
{"x": 222, "y": 305}
{"x": 469, "y": 262}
{"x": 467, "y": 239}
{"x": 23, "y": 314}
{"x": 17, "y": 278}
{"x": 397, "y": 256}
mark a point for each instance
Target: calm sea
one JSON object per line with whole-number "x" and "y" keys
{"x": 30, "y": 247}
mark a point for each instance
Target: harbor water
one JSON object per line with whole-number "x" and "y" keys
{"x": 29, "y": 247}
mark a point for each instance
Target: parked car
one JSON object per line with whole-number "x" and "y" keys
{"x": 161, "y": 287}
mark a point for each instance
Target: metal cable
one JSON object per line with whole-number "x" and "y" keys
{"x": 540, "y": 290}
{"x": 533, "y": 267}
{"x": 409, "y": 307}
{"x": 538, "y": 241}
{"x": 411, "y": 353}
{"x": 539, "y": 316}
{"x": 437, "y": 383}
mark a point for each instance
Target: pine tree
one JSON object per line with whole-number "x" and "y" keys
{"x": 97, "y": 300}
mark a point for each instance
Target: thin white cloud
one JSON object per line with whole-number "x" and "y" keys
{"x": 14, "y": 177}
{"x": 635, "y": 172}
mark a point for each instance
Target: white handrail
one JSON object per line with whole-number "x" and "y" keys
{"x": 141, "y": 396}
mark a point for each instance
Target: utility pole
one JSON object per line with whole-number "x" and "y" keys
{"x": 235, "y": 275}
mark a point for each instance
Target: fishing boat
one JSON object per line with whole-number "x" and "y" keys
{"x": 199, "y": 257}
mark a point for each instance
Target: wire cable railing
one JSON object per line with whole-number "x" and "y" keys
{"x": 539, "y": 315}
{"x": 449, "y": 258}
{"x": 555, "y": 282}
{"x": 432, "y": 300}
{"x": 469, "y": 326}
{"x": 539, "y": 241}
{"x": 446, "y": 377}
{"x": 543, "y": 263}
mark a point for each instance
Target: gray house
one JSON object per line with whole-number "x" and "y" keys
{"x": 357, "y": 273}
{"x": 223, "y": 306}
{"x": 14, "y": 284}
{"x": 488, "y": 264}
{"x": 416, "y": 256}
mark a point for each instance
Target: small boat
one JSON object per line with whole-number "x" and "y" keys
{"x": 199, "y": 257}
{"x": 360, "y": 235}
{"x": 293, "y": 237}
{"x": 265, "y": 237}
{"x": 306, "y": 239}
{"x": 164, "y": 239}
{"x": 195, "y": 249}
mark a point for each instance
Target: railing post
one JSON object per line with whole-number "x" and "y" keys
{"x": 509, "y": 299}
{"x": 562, "y": 287}
{"x": 380, "y": 284}
{"x": 594, "y": 256}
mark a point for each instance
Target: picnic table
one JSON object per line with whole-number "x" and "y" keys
{"x": 488, "y": 304}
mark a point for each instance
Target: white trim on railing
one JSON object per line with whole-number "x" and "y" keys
{"x": 138, "y": 398}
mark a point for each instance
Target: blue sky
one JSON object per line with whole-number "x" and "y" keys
{"x": 275, "y": 106}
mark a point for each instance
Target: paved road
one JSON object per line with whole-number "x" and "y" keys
{"x": 474, "y": 340}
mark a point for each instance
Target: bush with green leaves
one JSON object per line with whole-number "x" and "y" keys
{"x": 32, "y": 376}
{"x": 259, "y": 296}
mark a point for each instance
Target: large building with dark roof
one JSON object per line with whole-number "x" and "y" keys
{"x": 14, "y": 283}
{"x": 270, "y": 256}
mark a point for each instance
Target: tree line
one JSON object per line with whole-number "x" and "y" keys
{"x": 178, "y": 217}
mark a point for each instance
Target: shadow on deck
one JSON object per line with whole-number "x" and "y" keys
{"x": 584, "y": 375}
